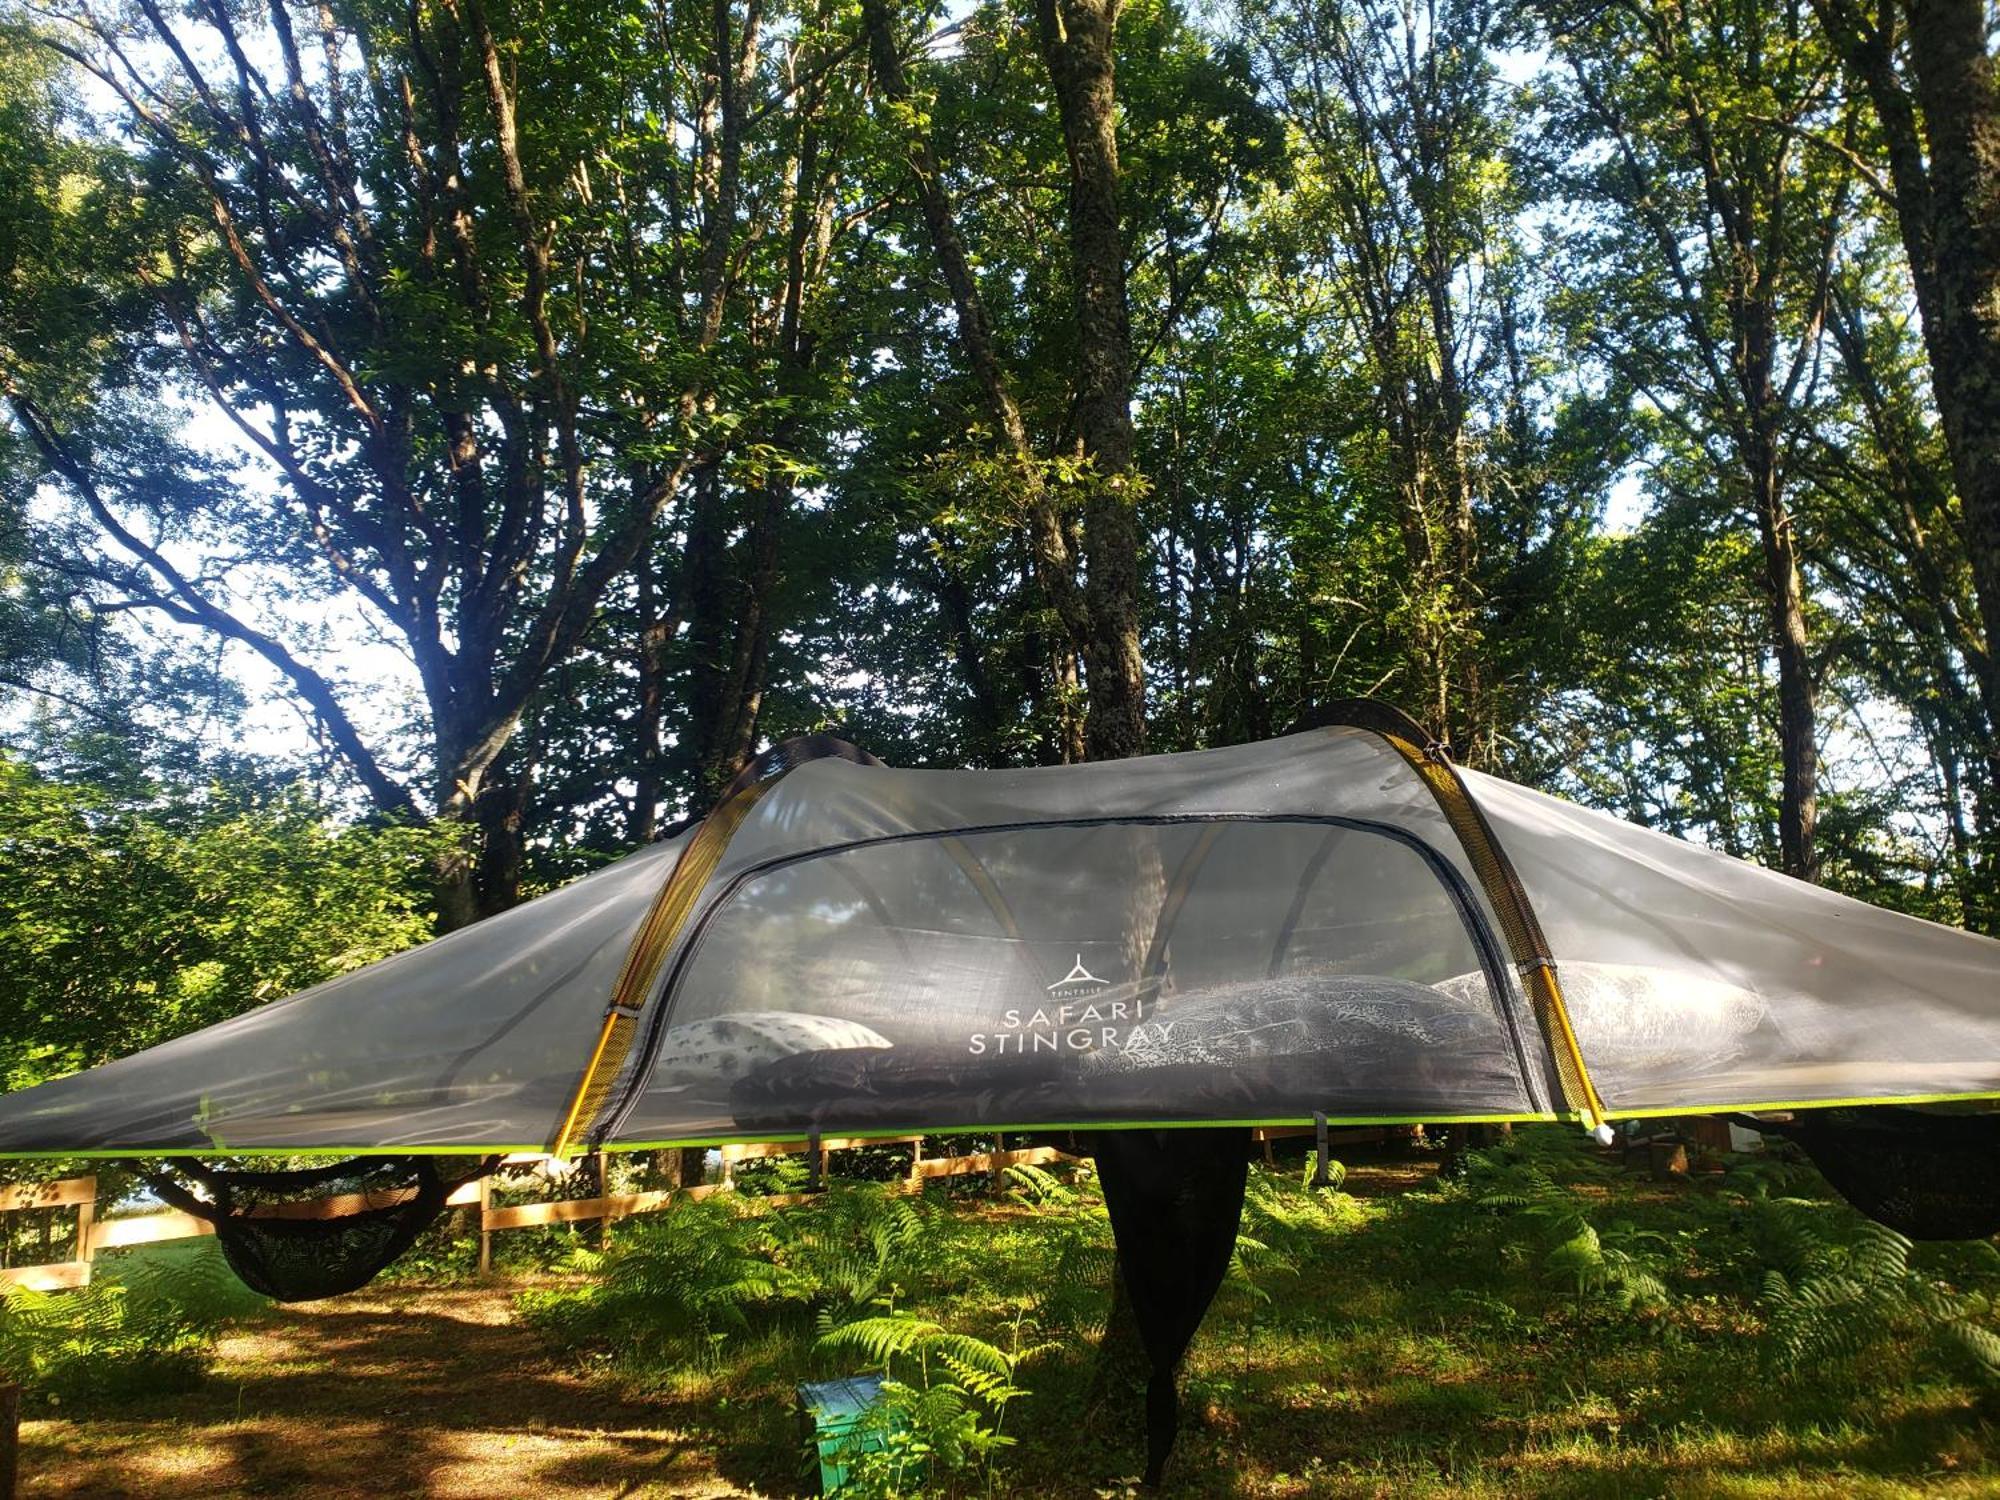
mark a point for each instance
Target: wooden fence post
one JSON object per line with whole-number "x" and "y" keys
{"x": 10, "y": 1439}
{"x": 86, "y": 1225}
{"x": 485, "y": 1234}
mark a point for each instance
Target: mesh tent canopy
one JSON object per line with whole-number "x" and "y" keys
{"x": 1337, "y": 923}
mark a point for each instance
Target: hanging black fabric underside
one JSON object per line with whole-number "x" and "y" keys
{"x": 1929, "y": 1176}
{"x": 278, "y": 1245}
{"x": 1176, "y": 1201}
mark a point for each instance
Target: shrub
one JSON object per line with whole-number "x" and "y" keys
{"x": 671, "y": 1288}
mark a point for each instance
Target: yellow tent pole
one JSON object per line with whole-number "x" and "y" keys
{"x": 668, "y": 917}
{"x": 1526, "y": 944}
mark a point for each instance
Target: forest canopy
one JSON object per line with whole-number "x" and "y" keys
{"x": 441, "y": 442}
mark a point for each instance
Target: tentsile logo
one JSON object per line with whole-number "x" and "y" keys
{"x": 1078, "y": 975}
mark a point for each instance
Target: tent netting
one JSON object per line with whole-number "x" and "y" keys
{"x": 1338, "y": 925}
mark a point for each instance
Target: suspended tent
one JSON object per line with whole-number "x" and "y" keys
{"x": 1338, "y": 926}
{"x": 1339, "y": 922}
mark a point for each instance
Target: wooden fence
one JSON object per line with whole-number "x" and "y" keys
{"x": 94, "y": 1233}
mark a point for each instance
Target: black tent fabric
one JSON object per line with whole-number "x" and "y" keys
{"x": 1927, "y": 1175}
{"x": 1176, "y": 1202}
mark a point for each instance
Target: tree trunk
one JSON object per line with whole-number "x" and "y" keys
{"x": 454, "y": 879}
{"x": 503, "y": 815}
{"x": 986, "y": 712}
{"x": 10, "y": 1438}
{"x": 680, "y": 1166}
{"x": 711, "y": 638}
{"x": 654, "y": 632}
{"x": 1941, "y": 129}
{"x": 453, "y": 890}
{"x": 1960, "y": 104}
{"x": 1798, "y": 803}
{"x": 1076, "y": 38}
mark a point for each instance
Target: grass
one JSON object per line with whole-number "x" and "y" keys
{"x": 1398, "y": 1339}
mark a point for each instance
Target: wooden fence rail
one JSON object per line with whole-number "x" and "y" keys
{"x": 94, "y": 1234}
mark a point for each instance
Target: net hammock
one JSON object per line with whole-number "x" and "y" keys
{"x": 1928, "y": 1176}
{"x": 297, "y": 1236}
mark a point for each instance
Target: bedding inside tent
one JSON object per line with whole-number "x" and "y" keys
{"x": 1335, "y": 923}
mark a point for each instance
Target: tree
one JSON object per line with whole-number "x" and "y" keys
{"x": 1927, "y": 67}
{"x": 1435, "y": 561}
{"x": 1077, "y": 42}
{"x": 130, "y": 918}
{"x": 1890, "y": 539}
{"x": 415, "y": 266}
{"x": 1397, "y": 108}
{"x": 1100, "y": 611}
{"x": 1707, "y": 288}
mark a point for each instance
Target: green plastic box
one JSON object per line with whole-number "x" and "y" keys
{"x": 835, "y": 1408}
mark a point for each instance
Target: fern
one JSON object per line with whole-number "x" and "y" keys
{"x": 914, "y": 1437}
{"x": 1039, "y": 1186}
{"x": 1336, "y": 1175}
{"x": 1980, "y": 1345}
{"x": 1252, "y": 1263}
{"x": 883, "y": 1340}
{"x": 147, "y": 1321}
{"x": 853, "y": 1250}
{"x": 944, "y": 1397}
{"x": 674, "y": 1286}
{"x": 1076, "y": 1295}
{"x": 1292, "y": 1213}
{"x": 1844, "y": 1285}
{"x": 1616, "y": 1265}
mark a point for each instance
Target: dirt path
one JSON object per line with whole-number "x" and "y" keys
{"x": 406, "y": 1392}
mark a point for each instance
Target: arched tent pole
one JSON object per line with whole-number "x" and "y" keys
{"x": 1430, "y": 758}
{"x": 1152, "y": 972}
{"x": 668, "y": 916}
{"x": 988, "y": 889}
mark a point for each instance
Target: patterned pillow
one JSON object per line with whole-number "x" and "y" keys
{"x": 730, "y": 1046}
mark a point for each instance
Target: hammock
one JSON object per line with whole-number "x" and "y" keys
{"x": 278, "y": 1236}
{"x": 1928, "y": 1176}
